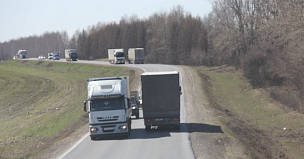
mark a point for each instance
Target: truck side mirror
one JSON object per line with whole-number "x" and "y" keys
{"x": 85, "y": 106}
{"x": 129, "y": 103}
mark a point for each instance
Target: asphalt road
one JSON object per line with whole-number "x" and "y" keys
{"x": 159, "y": 143}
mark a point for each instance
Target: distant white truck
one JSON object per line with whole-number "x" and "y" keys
{"x": 136, "y": 55}
{"x": 108, "y": 105}
{"x": 116, "y": 56}
{"x": 50, "y": 56}
{"x": 22, "y": 54}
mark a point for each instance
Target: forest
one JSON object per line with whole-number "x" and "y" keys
{"x": 262, "y": 38}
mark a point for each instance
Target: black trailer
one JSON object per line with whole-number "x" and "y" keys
{"x": 161, "y": 99}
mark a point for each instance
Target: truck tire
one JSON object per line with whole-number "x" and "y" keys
{"x": 148, "y": 127}
{"x": 130, "y": 128}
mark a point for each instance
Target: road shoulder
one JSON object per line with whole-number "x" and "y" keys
{"x": 208, "y": 137}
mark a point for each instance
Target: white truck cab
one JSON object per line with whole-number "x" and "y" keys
{"x": 116, "y": 56}
{"x": 108, "y": 105}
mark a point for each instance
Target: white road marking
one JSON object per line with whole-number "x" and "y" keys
{"x": 71, "y": 148}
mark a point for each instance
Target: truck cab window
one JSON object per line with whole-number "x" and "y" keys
{"x": 108, "y": 104}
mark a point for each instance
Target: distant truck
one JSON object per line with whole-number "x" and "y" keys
{"x": 116, "y": 56}
{"x": 161, "y": 99}
{"x": 56, "y": 56}
{"x": 22, "y": 54}
{"x": 136, "y": 55}
{"x": 135, "y": 104}
{"x": 108, "y": 105}
{"x": 50, "y": 56}
{"x": 71, "y": 54}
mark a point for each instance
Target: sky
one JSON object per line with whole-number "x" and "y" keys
{"x": 23, "y": 18}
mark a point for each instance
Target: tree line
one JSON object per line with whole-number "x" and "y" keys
{"x": 35, "y": 45}
{"x": 172, "y": 38}
{"x": 262, "y": 38}
{"x": 265, "y": 40}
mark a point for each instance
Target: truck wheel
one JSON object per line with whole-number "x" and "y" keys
{"x": 148, "y": 127}
{"x": 130, "y": 126}
{"x": 129, "y": 130}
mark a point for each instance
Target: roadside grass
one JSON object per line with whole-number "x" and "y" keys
{"x": 266, "y": 128}
{"x": 42, "y": 101}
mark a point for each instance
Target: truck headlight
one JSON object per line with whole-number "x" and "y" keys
{"x": 134, "y": 107}
{"x": 124, "y": 127}
{"x": 93, "y": 129}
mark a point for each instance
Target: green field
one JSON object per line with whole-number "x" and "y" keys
{"x": 42, "y": 102}
{"x": 265, "y": 127}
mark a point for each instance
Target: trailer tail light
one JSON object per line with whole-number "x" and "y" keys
{"x": 176, "y": 119}
{"x": 148, "y": 120}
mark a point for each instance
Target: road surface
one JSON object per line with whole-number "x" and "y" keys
{"x": 160, "y": 143}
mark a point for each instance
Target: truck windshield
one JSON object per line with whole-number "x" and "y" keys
{"x": 120, "y": 54}
{"x": 108, "y": 104}
{"x": 55, "y": 54}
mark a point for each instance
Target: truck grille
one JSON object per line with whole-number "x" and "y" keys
{"x": 107, "y": 118}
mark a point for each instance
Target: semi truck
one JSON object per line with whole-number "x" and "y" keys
{"x": 50, "y": 56}
{"x": 135, "y": 104}
{"x": 22, "y": 54}
{"x": 116, "y": 56}
{"x": 161, "y": 99}
{"x": 136, "y": 55}
{"x": 108, "y": 105}
{"x": 70, "y": 54}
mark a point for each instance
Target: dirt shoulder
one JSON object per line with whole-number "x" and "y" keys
{"x": 265, "y": 128}
{"x": 63, "y": 145}
{"x": 208, "y": 136}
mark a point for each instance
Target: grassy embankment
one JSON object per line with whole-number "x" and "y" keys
{"x": 267, "y": 129}
{"x": 42, "y": 102}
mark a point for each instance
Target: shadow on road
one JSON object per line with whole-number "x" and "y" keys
{"x": 165, "y": 131}
{"x": 198, "y": 127}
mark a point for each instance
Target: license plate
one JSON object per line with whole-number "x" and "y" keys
{"x": 159, "y": 119}
{"x": 109, "y": 128}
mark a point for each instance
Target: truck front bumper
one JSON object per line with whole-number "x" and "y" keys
{"x": 108, "y": 130}
{"x": 120, "y": 62}
{"x": 108, "y": 135}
